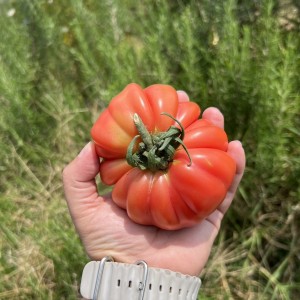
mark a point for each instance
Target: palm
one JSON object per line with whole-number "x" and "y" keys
{"x": 108, "y": 231}
{"x": 105, "y": 229}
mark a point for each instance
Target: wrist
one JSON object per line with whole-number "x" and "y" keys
{"x": 106, "y": 279}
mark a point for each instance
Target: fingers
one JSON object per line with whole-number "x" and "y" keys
{"x": 235, "y": 148}
{"x": 183, "y": 96}
{"x": 236, "y": 151}
{"x": 213, "y": 115}
{"x": 79, "y": 180}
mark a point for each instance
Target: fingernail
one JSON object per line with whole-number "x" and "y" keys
{"x": 238, "y": 141}
{"x": 84, "y": 150}
{"x": 184, "y": 97}
{"x": 182, "y": 91}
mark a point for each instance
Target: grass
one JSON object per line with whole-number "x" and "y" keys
{"x": 60, "y": 64}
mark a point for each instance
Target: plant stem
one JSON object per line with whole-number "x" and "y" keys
{"x": 144, "y": 133}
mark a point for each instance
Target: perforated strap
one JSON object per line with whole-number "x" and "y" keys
{"x": 117, "y": 281}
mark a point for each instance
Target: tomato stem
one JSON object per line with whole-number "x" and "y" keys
{"x": 145, "y": 135}
{"x": 155, "y": 151}
{"x": 181, "y": 127}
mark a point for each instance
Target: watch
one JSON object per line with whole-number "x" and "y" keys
{"x": 109, "y": 280}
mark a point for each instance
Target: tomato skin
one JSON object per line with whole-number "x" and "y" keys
{"x": 112, "y": 170}
{"x": 183, "y": 194}
{"x": 202, "y": 134}
{"x": 107, "y": 145}
{"x": 188, "y": 113}
{"x": 205, "y": 179}
{"x": 150, "y": 200}
{"x": 162, "y": 99}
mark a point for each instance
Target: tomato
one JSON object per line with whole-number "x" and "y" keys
{"x": 168, "y": 167}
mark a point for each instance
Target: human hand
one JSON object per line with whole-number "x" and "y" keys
{"x": 105, "y": 229}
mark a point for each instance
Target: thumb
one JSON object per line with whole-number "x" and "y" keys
{"x": 79, "y": 182}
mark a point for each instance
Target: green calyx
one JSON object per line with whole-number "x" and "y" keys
{"x": 155, "y": 151}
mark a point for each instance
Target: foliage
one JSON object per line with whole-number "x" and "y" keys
{"x": 60, "y": 64}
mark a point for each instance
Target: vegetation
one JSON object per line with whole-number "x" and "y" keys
{"x": 60, "y": 64}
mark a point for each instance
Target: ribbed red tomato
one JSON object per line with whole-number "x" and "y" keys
{"x": 166, "y": 172}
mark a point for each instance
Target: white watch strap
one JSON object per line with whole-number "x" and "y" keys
{"x": 107, "y": 280}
